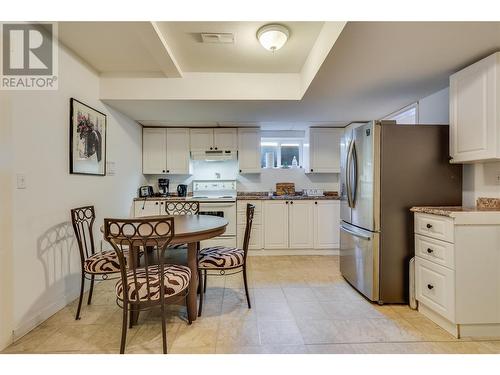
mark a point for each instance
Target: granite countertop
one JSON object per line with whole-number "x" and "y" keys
{"x": 491, "y": 205}
{"x": 333, "y": 195}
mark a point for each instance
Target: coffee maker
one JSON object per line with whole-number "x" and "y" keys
{"x": 163, "y": 184}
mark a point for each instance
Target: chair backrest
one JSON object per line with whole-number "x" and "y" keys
{"x": 83, "y": 219}
{"x": 174, "y": 207}
{"x": 248, "y": 228}
{"x": 153, "y": 236}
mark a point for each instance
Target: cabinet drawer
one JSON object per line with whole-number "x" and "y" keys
{"x": 219, "y": 241}
{"x": 439, "y": 227}
{"x": 436, "y": 251}
{"x": 435, "y": 287}
{"x": 255, "y": 237}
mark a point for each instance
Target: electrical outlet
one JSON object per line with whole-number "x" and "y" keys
{"x": 21, "y": 181}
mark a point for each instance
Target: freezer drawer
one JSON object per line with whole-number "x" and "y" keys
{"x": 359, "y": 259}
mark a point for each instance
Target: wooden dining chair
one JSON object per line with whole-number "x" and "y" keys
{"x": 156, "y": 282}
{"x": 225, "y": 259}
{"x": 95, "y": 265}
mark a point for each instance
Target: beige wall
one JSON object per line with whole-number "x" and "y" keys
{"x": 6, "y": 262}
{"x": 45, "y": 260}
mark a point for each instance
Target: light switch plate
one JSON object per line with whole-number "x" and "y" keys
{"x": 21, "y": 180}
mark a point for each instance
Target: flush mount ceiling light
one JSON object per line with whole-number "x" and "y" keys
{"x": 273, "y": 37}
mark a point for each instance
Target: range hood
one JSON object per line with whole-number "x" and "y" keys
{"x": 213, "y": 155}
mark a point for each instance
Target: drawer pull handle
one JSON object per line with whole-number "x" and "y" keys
{"x": 430, "y": 286}
{"x": 430, "y": 251}
{"x": 429, "y": 226}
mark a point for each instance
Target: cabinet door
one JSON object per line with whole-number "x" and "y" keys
{"x": 255, "y": 237}
{"x": 226, "y": 139}
{"x": 301, "y": 224}
{"x": 147, "y": 208}
{"x": 154, "y": 151}
{"x": 249, "y": 150}
{"x": 178, "y": 151}
{"x": 276, "y": 225}
{"x": 326, "y": 224}
{"x": 324, "y": 150}
{"x": 473, "y": 123}
{"x": 202, "y": 139}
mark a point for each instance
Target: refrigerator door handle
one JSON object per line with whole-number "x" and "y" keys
{"x": 355, "y": 233}
{"x": 354, "y": 161}
{"x": 348, "y": 175}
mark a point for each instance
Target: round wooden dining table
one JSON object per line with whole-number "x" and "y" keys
{"x": 191, "y": 229}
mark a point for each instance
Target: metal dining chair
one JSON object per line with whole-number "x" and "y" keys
{"x": 156, "y": 282}
{"x": 95, "y": 265}
{"x": 225, "y": 260}
{"x": 181, "y": 207}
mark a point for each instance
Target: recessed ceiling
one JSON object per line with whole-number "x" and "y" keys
{"x": 373, "y": 69}
{"x": 245, "y": 55}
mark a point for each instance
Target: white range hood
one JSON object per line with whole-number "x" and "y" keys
{"x": 213, "y": 155}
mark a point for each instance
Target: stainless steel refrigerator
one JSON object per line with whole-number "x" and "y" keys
{"x": 385, "y": 170}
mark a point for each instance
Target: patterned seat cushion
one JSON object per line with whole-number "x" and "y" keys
{"x": 102, "y": 263}
{"x": 219, "y": 257}
{"x": 178, "y": 246}
{"x": 176, "y": 279}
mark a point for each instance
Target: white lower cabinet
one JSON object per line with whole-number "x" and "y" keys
{"x": 326, "y": 224}
{"x": 276, "y": 224}
{"x": 457, "y": 271}
{"x": 148, "y": 207}
{"x": 301, "y": 224}
{"x": 294, "y": 224}
{"x": 256, "y": 235}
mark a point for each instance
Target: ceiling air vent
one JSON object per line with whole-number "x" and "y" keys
{"x": 221, "y": 38}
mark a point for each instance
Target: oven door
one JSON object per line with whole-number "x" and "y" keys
{"x": 226, "y": 210}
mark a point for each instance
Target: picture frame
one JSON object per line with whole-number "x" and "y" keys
{"x": 87, "y": 140}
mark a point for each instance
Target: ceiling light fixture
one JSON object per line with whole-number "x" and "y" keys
{"x": 273, "y": 37}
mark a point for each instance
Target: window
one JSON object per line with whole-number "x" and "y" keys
{"x": 280, "y": 153}
{"x": 407, "y": 115}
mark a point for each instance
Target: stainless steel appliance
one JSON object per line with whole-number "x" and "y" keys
{"x": 218, "y": 198}
{"x": 385, "y": 170}
{"x": 163, "y": 184}
{"x": 146, "y": 191}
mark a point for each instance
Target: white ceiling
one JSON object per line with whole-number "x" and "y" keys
{"x": 246, "y": 55}
{"x": 118, "y": 48}
{"x": 373, "y": 69}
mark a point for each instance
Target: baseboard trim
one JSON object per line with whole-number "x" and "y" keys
{"x": 439, "y": 320}
{"x": 31, "y": 323}
{"x": 277, "y": 252}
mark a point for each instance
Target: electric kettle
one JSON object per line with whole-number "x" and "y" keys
{"x": 182, "y": 190}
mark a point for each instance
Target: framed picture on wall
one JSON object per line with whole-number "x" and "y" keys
{"x": 87, "y": 140}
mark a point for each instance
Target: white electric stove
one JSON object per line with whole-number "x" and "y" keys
{"x": 218, "y": 198}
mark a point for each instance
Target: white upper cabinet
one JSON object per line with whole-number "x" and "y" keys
{"x": 324, "y": 150}
{"x": 154, "y": 150}
{"x": 202, "y": 139}
{"x": 475, "y": 112}
{"x": 165, "y": 151}
{"x": 219, "y": 139}
{"x": 249, "y": 150}
{"x": 178, "y": 151}
{"x": 226, "y": 139}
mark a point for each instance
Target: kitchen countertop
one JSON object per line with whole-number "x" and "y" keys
{"x": 265, "y": 196}
{"x": 461, "y": 214}
{"x": 169, "y": 198}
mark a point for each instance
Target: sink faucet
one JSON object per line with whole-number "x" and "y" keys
{"x": 217, "y": 175}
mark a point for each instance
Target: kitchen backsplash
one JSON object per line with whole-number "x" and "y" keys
{"x": 266, "y": 180}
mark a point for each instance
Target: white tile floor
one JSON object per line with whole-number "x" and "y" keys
{"x": 301, "y": 304}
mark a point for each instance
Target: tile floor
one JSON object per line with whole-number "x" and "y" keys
{"x": 300, "y": 305}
